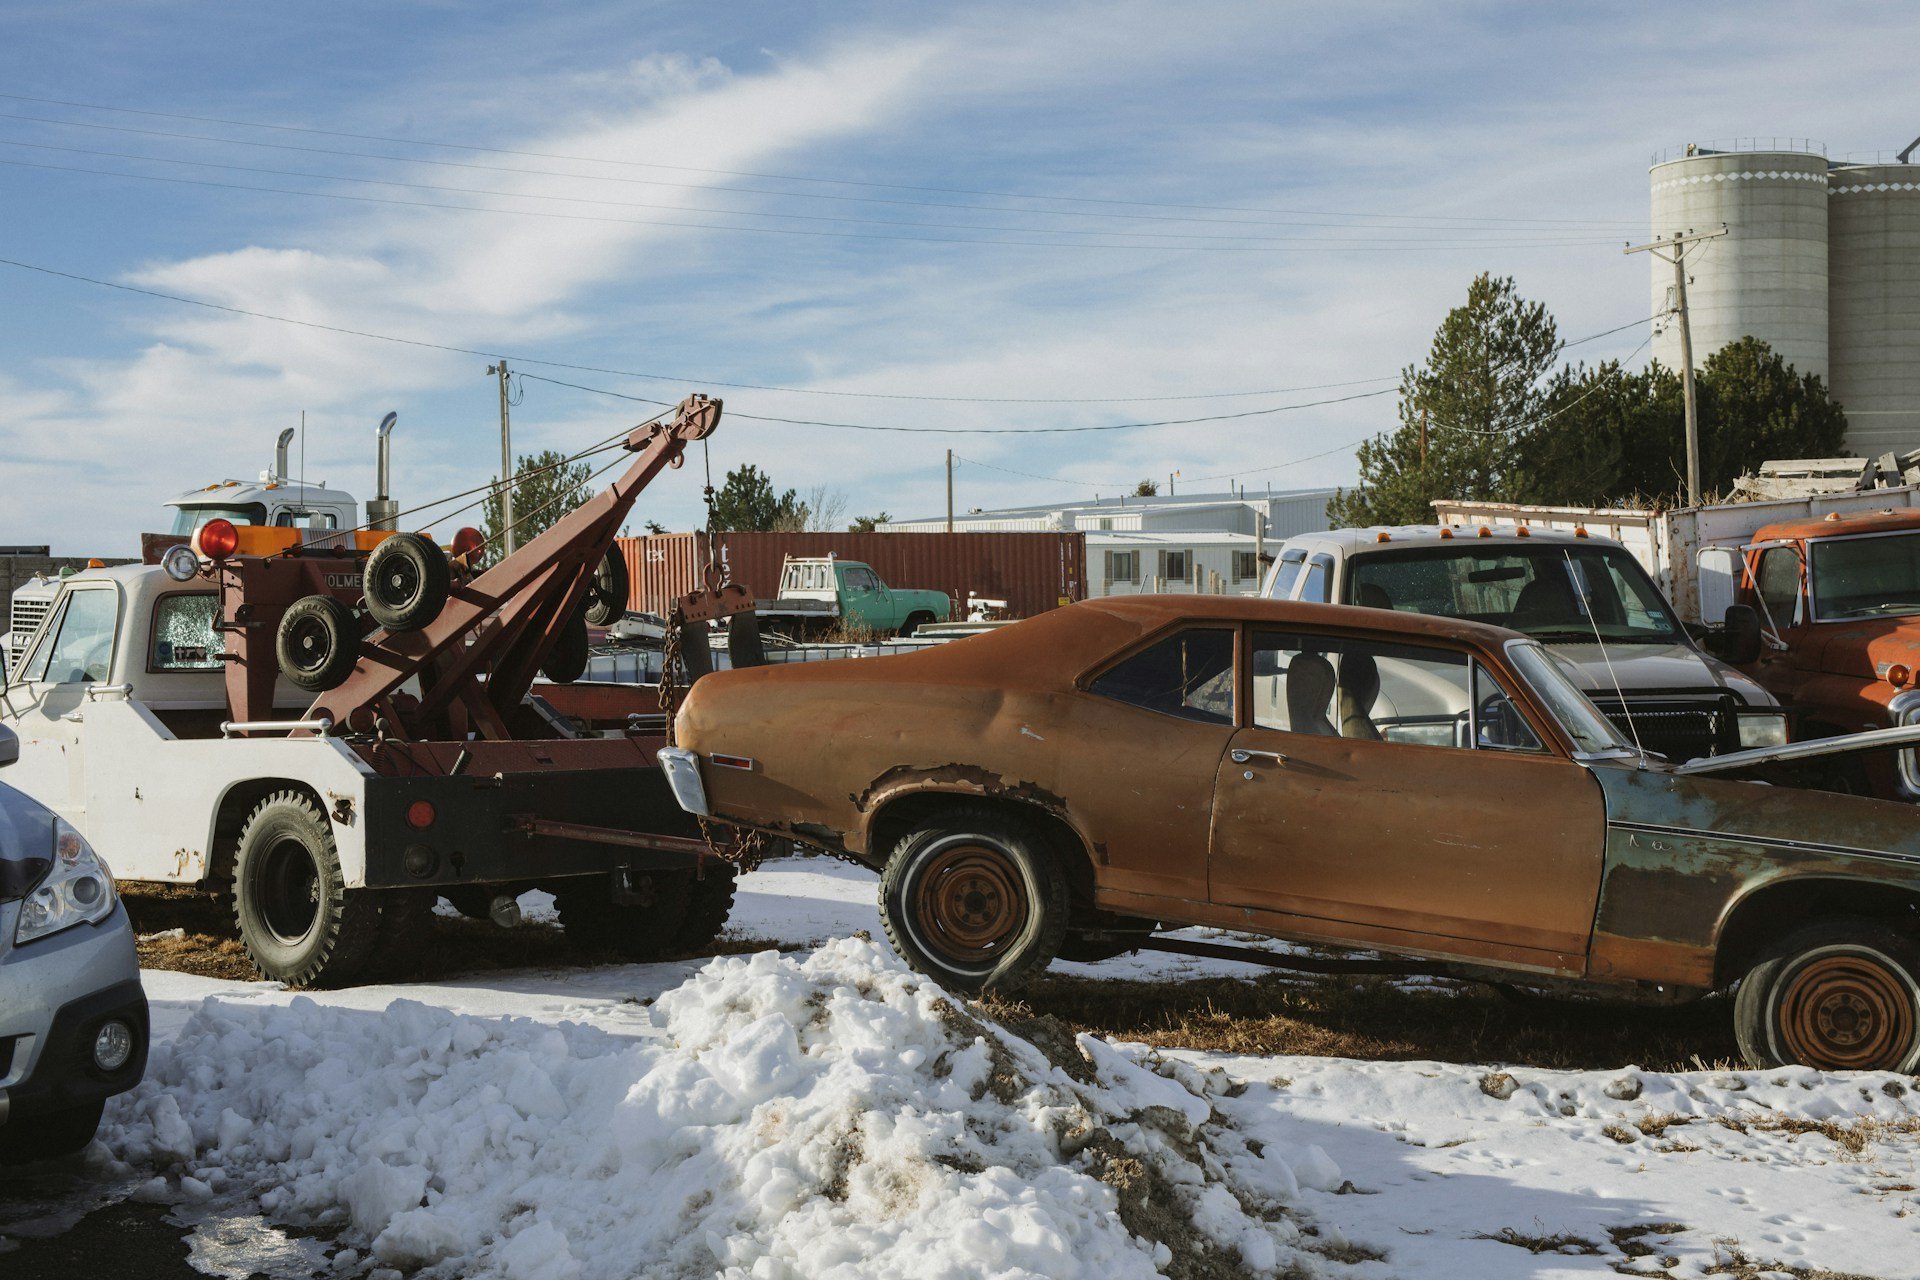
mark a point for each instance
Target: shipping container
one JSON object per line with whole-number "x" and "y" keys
{"x": 1032, "y": 572}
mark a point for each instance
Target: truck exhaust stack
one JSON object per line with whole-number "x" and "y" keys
{"x": 280, "y": 455}
{"x": 382, "y": 511}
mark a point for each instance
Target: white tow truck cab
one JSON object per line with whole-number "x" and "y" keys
{"x": 277, "y": 499}
{"x": 1586, "y": 597}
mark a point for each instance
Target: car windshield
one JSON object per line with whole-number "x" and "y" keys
{"x": 1871, "y": 577}
{"x": 187, "y": 519}
{"x": 1550, "y": 590}
{"x": 1546, "y": 674}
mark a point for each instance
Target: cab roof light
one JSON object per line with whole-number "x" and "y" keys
{"x": 1485, "y": 532}
{"x": 1579, "y": 531}
{"x": 1383, "y": 536}
{"x": 1523, "y": 532}
{"x": 1446, "y": 531}
{"x": 1833, "y": 515}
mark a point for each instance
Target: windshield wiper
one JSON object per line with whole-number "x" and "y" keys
{"x": 1553, "y": 635}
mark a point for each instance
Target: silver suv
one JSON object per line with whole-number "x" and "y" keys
{"x": 73, "y": 1019}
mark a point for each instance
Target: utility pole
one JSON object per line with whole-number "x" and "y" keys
{"x": 949, "y": 491}
{"x": 1677, "y": 245}
{"x": 506, "y": 463}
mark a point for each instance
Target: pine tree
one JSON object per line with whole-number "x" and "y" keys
{"x": 545, "y": 487}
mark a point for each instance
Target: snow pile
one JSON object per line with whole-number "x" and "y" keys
{"x": 836, "y": 1116}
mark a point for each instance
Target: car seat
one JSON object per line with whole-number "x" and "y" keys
{"x": 1310, "y": 685}
{"x": 1374, "y": 596}
{"x": 1359, "y": 689}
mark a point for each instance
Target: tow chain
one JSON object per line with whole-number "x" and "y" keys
{"x": 748, "y": 849}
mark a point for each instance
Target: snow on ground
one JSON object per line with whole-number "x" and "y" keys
{"x": 794, "y": 1115}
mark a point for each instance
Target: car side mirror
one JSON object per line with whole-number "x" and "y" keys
{"x": 1740, "y": 636}
{"x": 9, "y": 746}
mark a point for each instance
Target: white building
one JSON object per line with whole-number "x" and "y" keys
{"x": 1206, "y": 542}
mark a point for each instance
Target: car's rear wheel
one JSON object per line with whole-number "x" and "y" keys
{"x": 1840, "y": 995}
{"x": 47, "y": 1137}
{"x": 915, "y": 621}
{"x": 975, "y": 897}
{"x": 298, "y": 921}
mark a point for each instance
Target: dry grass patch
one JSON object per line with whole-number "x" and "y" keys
{"x": 1370, "y": 1018}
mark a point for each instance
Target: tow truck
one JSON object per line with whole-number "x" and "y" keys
{"x": 333, "y": 725}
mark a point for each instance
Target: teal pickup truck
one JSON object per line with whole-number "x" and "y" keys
{"x": 819, "y": 593}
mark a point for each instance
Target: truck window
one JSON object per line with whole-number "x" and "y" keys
{"x": 307, "y": 520}
{"x": 1550, "y": 590}
{"x": 78, "y": 648}
{"x": 183, "y": 634}
{"x": 1779, "y": 584}
{"x": 1319, "y": 580}
{"x": 1865, "y": 577}
{"x": 1189, "y": 675}
{"x": 862, "y": 580}
{"x": 188, "y": 519}
{"x": 1286, "y": 574}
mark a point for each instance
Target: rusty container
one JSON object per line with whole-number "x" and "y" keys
{"x": 1032, "y": 572}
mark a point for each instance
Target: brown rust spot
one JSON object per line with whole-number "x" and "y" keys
{"x": 956, "y": 777}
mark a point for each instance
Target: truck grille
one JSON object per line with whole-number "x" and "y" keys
{"x": 27, "y": 613}
{"x": 1678, "y": 730}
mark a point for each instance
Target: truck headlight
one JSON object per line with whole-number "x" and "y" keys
{"x": 78, "y": 889}
{"x": 1762, "y": 728}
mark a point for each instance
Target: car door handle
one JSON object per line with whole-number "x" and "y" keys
{"x": 1240, "y": 755}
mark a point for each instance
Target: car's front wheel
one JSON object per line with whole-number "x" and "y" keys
{"x": 974, "y": 897}
{"x": 1840, "y": 995}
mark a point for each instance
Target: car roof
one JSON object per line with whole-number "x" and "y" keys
{"x": 1841, "y": 525}
{"x": 1156, "y": 611}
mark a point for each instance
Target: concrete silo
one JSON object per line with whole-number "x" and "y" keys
{"x": 1874, "y": 304}
{"x": 1768, "y": 276}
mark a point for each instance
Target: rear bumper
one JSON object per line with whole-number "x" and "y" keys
{"x": 478, "y": 830}
{"x": 682, "y": 770}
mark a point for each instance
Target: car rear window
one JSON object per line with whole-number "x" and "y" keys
{"x": 1189, "y": 675}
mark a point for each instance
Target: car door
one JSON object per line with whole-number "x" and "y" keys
{"x": 1778, "y": 590}
{"x": 1148, "y": 735}
{"x": 1395, "y": 794}
{"x": 46, "y": 700}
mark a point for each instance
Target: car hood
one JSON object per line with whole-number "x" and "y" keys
{"x": 1864, "y": 649}
{"x": 1651, "y": 668}
{"x": 26, "y": 843}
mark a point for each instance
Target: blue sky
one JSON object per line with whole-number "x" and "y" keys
{"x": 1391, "y": 152}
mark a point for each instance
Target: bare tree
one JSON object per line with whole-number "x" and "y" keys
{"x": 825, "y": 508}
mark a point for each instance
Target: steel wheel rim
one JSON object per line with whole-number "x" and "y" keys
{"x": 311, "y": 644}
{"x": 969, "y": 902}
{"x": 287, "y": 890}
{"x": 401, "y": 580}
{"x": 1846, "y": 1011}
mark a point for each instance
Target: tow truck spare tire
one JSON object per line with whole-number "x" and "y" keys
{"x": 607, "y": 590}
{"x": 567, "y": 660}
{"x": 407, "y": 580}
{"x": 298, "y": 921}
{"x": 644, "y": 929}
{"x": 317, "y": 643}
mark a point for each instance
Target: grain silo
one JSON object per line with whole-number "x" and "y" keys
{"x": 1874, "y": 304}
{"x": 1766, "y": 277}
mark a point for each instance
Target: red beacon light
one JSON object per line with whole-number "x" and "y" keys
{"x": 216, "y": 539}
{"x": 1523, "y": 532}
{"x": 467, "y": 542}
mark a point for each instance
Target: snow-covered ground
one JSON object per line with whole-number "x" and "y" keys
{"x": 825, "y": 1113}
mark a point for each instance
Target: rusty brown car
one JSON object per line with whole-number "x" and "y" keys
{"x": 1425, "y": 788}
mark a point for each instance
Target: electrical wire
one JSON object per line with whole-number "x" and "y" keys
{"x": 1121, "y": 484}
{"x": 992, "y": 431}
{"x": 737, "y": 173}
{"x": 1296, "y": 246}
{"x": 1546, "y": 417}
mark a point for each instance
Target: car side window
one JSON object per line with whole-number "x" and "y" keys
{"x": 1347, "y": 687}
{"x": 79, "y": 647}
{"x": 1498, "y": 723}
{"x": 860, "y": 580}
{"x": 1291, "y": 563}
{"x": 1319, "y": 580}
{"x": 1779, "y": 584}
{"x": 1189, "y": 675}
{"x": 183, "y": 634}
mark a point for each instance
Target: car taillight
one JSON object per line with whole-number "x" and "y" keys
{"x": 216, "y": 539}
{"x": 420, "y": 815}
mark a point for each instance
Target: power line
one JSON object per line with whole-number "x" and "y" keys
{"x": 659, "y": 377}
{"x": 1387, "y": 246}
{"x": 731, "y": 213}
{"x": 993, "y": 431}
{"x": 777, "y": 177}
{"x": 1120, "y": 484}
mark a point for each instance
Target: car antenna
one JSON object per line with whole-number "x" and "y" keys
{"x": 1576, "y": 581}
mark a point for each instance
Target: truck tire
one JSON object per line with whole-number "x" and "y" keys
{"x": 406, "y": 917}
{"x": 607, "y": 590}
{"x": 567, "y": 660}
{"x": 975, "y": 899}
{"x": 298, "y": 921}
{"x": 744, "y": 646}
{"x": 50, "y": 1136}
{"x": 644, "y": 930}
{"x": 1839, "y": 995}
{"x": 407, "y": 580}
{"x": 317, "y": 643}
{"x": 914, "y": 622}
{"x": 709, "y": 903}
